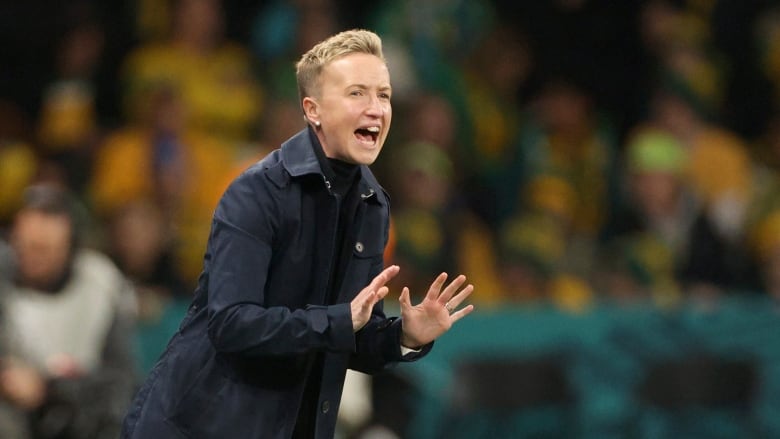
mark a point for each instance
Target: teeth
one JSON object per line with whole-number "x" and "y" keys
{"x": 373, "y": 129}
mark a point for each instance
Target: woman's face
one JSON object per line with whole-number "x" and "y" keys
{"x": 353, "y": 108}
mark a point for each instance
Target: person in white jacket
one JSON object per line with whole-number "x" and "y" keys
{"x": 66, "y": 324}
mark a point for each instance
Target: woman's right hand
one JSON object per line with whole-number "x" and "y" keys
{"x": 364, "y": 302}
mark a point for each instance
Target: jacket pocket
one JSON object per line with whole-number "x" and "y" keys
{"x": 361, "y": 271}
{"x": 194, "y": 414}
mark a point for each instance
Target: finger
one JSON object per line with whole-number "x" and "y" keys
{"x": 459, "y": 314}
{"x": 433, "y": 291}
{"x": 381, "y": 293}
{"x": 446, "y": 295}
{"x": 364, "y": 296}
{"x": 368, "y": 303}
{"x": 384, "y": 277}
{"x": 404, "y": 298}
{"x": 455, "y": 301}
{"x": 373, "y": 298}
{"x": 379, "y": 281}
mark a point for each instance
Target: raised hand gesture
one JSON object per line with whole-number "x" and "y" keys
{"x": 435, "y": 315}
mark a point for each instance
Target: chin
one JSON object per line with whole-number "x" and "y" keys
{"x": 367, "y": 159}
{"x": 364, "y": 161}
{"x": 364, "y": 156}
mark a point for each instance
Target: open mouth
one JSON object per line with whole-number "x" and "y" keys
{"x": 367, "y": 134}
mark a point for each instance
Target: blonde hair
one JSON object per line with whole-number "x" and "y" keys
{"x": 309, "y": 67}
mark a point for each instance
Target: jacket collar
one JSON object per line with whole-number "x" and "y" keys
{"x": 299, "y": 159}
{"x": 298, "y": 154}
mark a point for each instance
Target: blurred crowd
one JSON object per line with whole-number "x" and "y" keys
{"x": 563, "y": 151}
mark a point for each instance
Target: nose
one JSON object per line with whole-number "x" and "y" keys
{"x": 375, "y": 107}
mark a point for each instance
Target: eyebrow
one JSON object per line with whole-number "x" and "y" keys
{"x": 365, "y": 87}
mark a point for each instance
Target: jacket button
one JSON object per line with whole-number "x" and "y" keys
{"x": 359, "y": 247}
{"x": 325, "y": 406}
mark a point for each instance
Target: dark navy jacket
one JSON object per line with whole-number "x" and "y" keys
{"x": 238, "y": 364}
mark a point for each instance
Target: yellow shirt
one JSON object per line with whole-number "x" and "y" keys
{"x": 719, "y": 165}
{"x": 218, "y": 89}
{"x": 124, "y": 172}
{"x": 17, "y": 170}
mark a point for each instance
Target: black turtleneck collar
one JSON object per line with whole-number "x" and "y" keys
{"x": 342, "y": 175}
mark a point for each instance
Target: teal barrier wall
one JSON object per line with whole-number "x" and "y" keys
{"x": 606, "y": 356}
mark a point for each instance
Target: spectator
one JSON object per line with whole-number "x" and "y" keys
{"x": 283, "y": 29}
{"x": 436, "y": 36}
{"x": 435, "y": 231}
{"x": 160, "y": 160}
{"x": 66, "y": 319}
{"x": 68, "y": 125}
{"x": 213, "y": 76}
{"x": 531, "y": 247}
{"x": 489, "y": 126}
{"x": 565, "y": 139}
{"x": 141, "y": 244}
{"x": 667, "y": 229}
{"x": 538, "y": 256}
{"x": 686, "y": 104}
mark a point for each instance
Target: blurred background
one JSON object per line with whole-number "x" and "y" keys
{"x": 606, "y": 173}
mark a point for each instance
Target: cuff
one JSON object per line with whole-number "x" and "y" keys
{"x": 406, "y": 351}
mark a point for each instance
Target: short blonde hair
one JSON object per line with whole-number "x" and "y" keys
{"x": 309, "y": 67}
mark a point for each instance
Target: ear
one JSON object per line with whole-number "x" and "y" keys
{"x": 311, "y": 110}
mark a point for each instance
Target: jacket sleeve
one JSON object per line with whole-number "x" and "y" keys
{"x": 238, "y": 263}
{"x": 379, "y": 345}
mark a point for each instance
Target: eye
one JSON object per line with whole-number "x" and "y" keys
{"x": 385, "y": 96}
{"x": 356, "y": 93}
